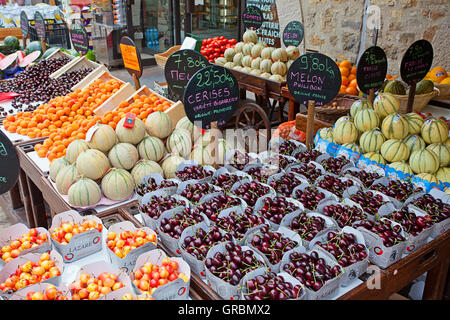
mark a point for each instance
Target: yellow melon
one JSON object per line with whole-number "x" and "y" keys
{"x": 437, "y": 74}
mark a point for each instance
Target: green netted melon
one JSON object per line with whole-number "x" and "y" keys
{"x": 395, "y": 87}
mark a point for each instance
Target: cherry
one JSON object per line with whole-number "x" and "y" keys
{"x": 335, "y": 165}
{"x": 335, "y": 185}
{"x": 199, "y": 244}
{"x": 239, "y": 160}
{"x": 286, "y": 184}
{"x": 214, "y": 206}
{"x": 343, "y": 214}
{"x": 287, "y": 147}
{"x": 225, "y": 181}
{"x": 262, "y": 173}
{"x": 309, "y": 197}
{"x": 271, "y": 286}
{"x": 158, "y": 204}
{"x": 344, "y": 248}
{"x": 250, "y": 192}
{"x": 400, "y": 190}
{"x": 307, "y": 226}
{"x": 369, "y": 201}
{"x": 307, "y": 156}
{"x": 151, "y": 185}
{"x": 309, "y": 170}
{"x": 274, "y": 209}
{"x": 436, "y": 208}
{"x": 238, "y": 224}
{"x": 367, "y": 178}
{"x": 193, "y": 173}
{"x": 175, "y": 226}
{"x": 385, "y": 229}
{"x": 195, "y": 191}
{"x": 410, "y": 222}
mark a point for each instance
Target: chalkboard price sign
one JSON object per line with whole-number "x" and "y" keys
{"x": 212, "y": 94}
{"x": 39, "y": 25}
{"x": 9, "y": 164}
{"x": 314, "y": 76}
{"x": 24, "y": 23}
{"x": 417, "y": 61}
{"x": 79, "y": 37}
{"x": 179, "y": 69}
{"x": 293, "y": 34}
{"x": 372, "y": 69}
{"x": 252, "y": 17}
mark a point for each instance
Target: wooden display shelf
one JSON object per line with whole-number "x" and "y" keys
{"x": 5, "y": 32}
{"x": 75, "y": 64}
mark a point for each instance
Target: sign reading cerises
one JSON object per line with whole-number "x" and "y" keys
{"x": 9, "y": 164}
{"x": 24, "y": 23}
{"x": 211, "y": 95}
{"x": 79, "y": 37}
{"x": 39, "y": 25}
{"x": 417, "y": 61}
{"x": 131, "y": 56}
{"x": 293, "y": 34}
{"x": 314, "y": 76}
{"x": 179, "y": 69}
{"x": 252, "y": 17}
{"x": 372, "y": 69}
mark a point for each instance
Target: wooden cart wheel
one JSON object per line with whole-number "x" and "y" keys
{"x": 252, "y": 116}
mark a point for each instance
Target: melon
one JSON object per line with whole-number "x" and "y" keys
{"x": 278, "y": 68}
{"x": 366, "y": 119}
{"x": 345, "y": 132}
{"x": 229, "y": 54}
{"x": 66, "y": 177}
{"x": 75, "y": 148}
{"x": 103, "y": 139}
{"x": 428, "y": 176}
{"x": 265, "y": 75}
{"x": 186, "y": 124}
{"x": 266, "y": 65}
{"x": 180, "y": 143}
{"x": 204, "y": 139}
{"x": 401, "y": 166}
{"x": 434, "y": 131}
{"x": 222, "y": 148}
{"x": 375, "y": 156}
{"x": 123, "y": 156}
{"x": 239, "y": 68}
{"x": 276, "y": 77}
{"x": 247, "y": 69}
{"x": 133, "y": 135}
{"x": 255, "y": 52}
{"x": 414, "y": 142}
{"x": 415, "y": 122}
{"x": 48, "y": 52}
{"x": 443, "y": 174}
{"x": 221, "y": 61}
{"x": 56, "y": 165}
{"x": 395, "y": 126}
{"x": 394, "y": 87}
{"x": 289, "y": 63}
{"x": 238, "y": 47}
{"x": 359, "y": 105}
{"x": 293, "y": 52}
{"x": 247, "y": 49}
{"x": 343, "y": 118}
{"x": 144, "y": 168}
{"x": 352, "y": 146}
{"x": 256, "y": 72}
{"x": 280, "y": 54}
{"x": 266, "y": 53}
{"x": 326, "y": 134}
{"x": 371, "y": 141}
{"x": 250, "y": 36}
{"x": 385, "y": 104}
{"x": 202, "y": 155}
{"x": 152, "y": 148}
{"x": 424, "y": 161}
{"x": 229, "y": 65}
{"x": 170, "y": 165}
{"x": 262, "y": 43}
{"x": 442, "y": 151}
{"x": 237, "y": 60}
{"x": 83, "y": 193}
{"x": 158, "y": 124}
{"x": 247, "y": 61}
{"x": 118, "y": 185}
{"x": 447, "y": 142}
{"x": 394, "y": 150}
{"x": 255, "y": 63}
{"x": 92, "y": 164}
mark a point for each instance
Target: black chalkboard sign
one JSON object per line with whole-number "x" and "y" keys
{"x": 314, "y": 76}
{"x": 417, "y": 61}
{"x": 79, "y": 37}
{"x": 24, "y": 23}
{"x": 252, "y": 17}
{"x": 179, "y": 69}
{"x": 39, "y": 25}
{"x": 9, "y": 164}
{"x": 372, "y": 69}
{"x": 212, "y": 94}
{"x": 293, "y": 34}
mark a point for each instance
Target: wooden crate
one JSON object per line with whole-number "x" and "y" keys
{"x": 104, "y": 76}
{"x": 75, "y": 64}
{"x": 60, "y": 54}
{"x": 301, "y": 123}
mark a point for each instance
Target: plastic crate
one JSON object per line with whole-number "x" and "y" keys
{"x": 56, "y": 33}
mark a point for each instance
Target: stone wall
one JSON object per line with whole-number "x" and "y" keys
{"x": 334, "y": 27}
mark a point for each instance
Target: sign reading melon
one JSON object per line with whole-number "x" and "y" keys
{"x": 314, "y": 76}
{"x": 212, "y": 95}
{"x": 79, "y": 37}
{"x": 131, "y": 56}
{"x": 252, "y": 17}
{"x": 372, "y": 69}
{"x": 39, "y": 25}
{"x": 24, "y": 23}
{"x": 293, "y": 34}
{"x": 9, "y": 164}
{"x": 417, "y": 61}
{"x": 179, "y": 69}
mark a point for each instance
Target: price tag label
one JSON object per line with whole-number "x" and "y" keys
{"x": 131, "y": 56}
{"x": 269, "y": 32}
{"x": 293, "y": 34}
{"x": 130, "y": 119}
{"x": 252, "y": 17}
{"x": 372, "y": 69}
{"x": 79, "y": 37}
{"x": 417, "y": 61}
{"x": 24, "y": 23}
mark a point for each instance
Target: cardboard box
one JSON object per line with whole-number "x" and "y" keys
{"x": 189, "y": 163}
{"x": 40, "y": 287}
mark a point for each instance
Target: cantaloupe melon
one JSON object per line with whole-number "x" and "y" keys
{"x": 280, "y": 54}
{"x": 133, "y": 135}
{"x": 414, "y": 143}
{"x": 394, "y": 150}
{"x": 375, "y": 156}
{"x": 186, "y": 124}
{"x": 366, "y": 119}
{"x": 152, "y": 148}
{"x": 266, "y": 53}
{"x": 395, "y": 126}
{"x": 250, "y": 36}
{"x": 144, "y": 168}
{"x": 424, "y": 161}
{"x": 434, "y": 131}
{"x": 371, "y": 140}
{"x": 180, "y": 143}
{"x": 159, "y": 124}
{"x": 170, "y": 165}
{"x": 83, "y": 193}
{"x": 92, "y": 164}
{"x": 401, "y": 166}
{"x": 123, "y": 156}
{"x": 75, "y": 148}
{"x": 247, "y": 50}
{"x": 279, "y": 68}
{"x": 118, "y": 185}
{"x": 66, "y": 177}
{"x": 345, "y": 132}
{"x": 56, "y": 165}
{"x": 293, "y": 52}
{"x": 428, "y": 176}
{"x": 202, "y": 155}
{"x": 442, "y": 151}
{"x": 385, "y": 104}
{"x": 359, "y": 105}
{"x": 443, "y": 174}
{"x": 103, "y": 139}
{"x": 415, "y": 122}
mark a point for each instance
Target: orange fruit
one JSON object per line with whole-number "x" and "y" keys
{"x": 351, "y": 91}
{"x": 351, "y": 77}
{"x": 345, "y": 81}
{"x": 353, "y": 83}
{"x": 437, "y": 74}
{"x": 446, "y": 81}
{"x": 345, "y": 64}
{"x": 344, "y": 71}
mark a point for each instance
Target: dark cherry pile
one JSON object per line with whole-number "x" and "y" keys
{"x": 193, "y": 173}
{"x": 367, "y": 178}
{"x": 335, "y": 165}
{"x": 214, "y": 206}
{"x": 271, "y": 286}
{"x": 436, "y": 208}
{"x": 311, "y": 270}
{"x": 285, "y": 184}
{"x": 199, "y": 244}
{"x": 309, "y": 170}
{"x": 272, "y": 244}
{"x": 151, "y": 185}
{"x": 250, "y": 192}
{"x": 174, "y": 226}
{"x": 225, "y": 181}
{"x": 158, "y": 204}
{"x": 232, "y": 265}
{"x": 239, "y": 160}
{"x": 274, "y": 209}
{"x": 369, "y": 201}
{"x": 279, "y": 161}
{"x": 388, "y": 232}
{"x": 335, "y": 185}
{"x": 309, "y": 155}
{"x": 195, "y": 191}
{"x": 410, "y": 222}
{"x": 396, "y": 189}
{"x": 344, "y": 248}
{"x": 238, "y": 224}
{"x": 307, "y": 227}
{"x": 309, "y": 197}
{"x": 262, "y": 173}
{"x": 287, "y": 147}
{"x": 344, "y": 215}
